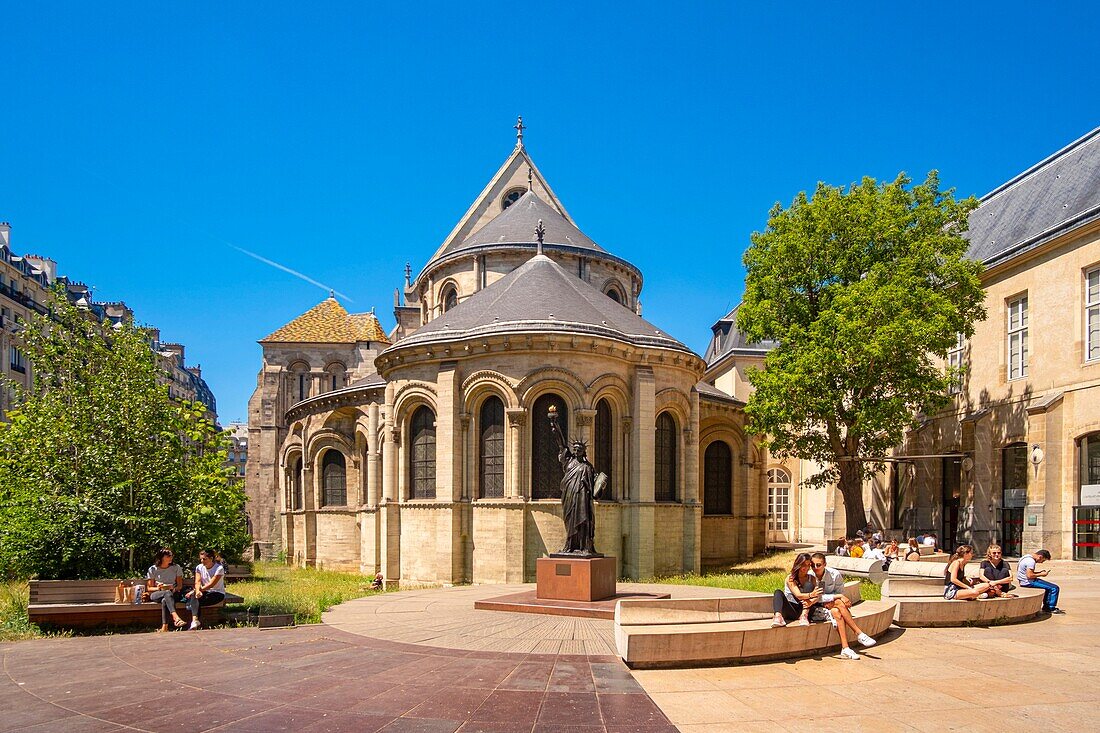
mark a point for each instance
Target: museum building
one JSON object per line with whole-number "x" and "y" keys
{"x": 426, "y": 453}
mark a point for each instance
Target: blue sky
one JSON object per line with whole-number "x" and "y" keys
{"x": 140, "y": 141}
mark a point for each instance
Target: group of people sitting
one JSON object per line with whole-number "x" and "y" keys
{"x": 815, "y": 592}
{"x": 994, "y": 578}
{"x": 164, "y": 583}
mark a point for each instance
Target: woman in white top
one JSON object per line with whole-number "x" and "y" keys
{"x": 209, "y": 586}
{"x": 164, "y": 580}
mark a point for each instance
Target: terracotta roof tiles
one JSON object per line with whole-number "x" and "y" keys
{"x": 328, "y": 323}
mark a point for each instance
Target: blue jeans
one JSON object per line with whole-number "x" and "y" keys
{"x": 1050, "y": 600}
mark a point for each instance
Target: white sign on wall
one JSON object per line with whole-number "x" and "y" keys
{"x": 1090, "y": 495}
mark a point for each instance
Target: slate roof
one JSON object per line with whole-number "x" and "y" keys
{"x": 517, "y": 223}
{"x": 728, "y": 339}
{"x": 1053, "y": 196}
{"x": 710, "y": 392}
{"x": 328, "y": 323}
{"x": 541, "y": 296}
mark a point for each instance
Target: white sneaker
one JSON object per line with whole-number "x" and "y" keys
{"x": 195, "y": 625}
{"x": 865, "y": 641}
{"x": 847, "y": 653}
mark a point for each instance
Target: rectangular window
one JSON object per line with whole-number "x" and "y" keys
{"x": 779, "y": 507}
{"x": 955, "y": 362}
{"x": 18, "y": 361}
{"x": 1092, "y": 314}
{"x": 1017, "y": 337}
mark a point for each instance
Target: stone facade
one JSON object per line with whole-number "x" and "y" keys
{"x": 433, "y": 464}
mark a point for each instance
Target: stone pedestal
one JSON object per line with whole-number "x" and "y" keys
{"x": 575, "y": 578}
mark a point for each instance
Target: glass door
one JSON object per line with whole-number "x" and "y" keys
{"x": 1013, "y": 498}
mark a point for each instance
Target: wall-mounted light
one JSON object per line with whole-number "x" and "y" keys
{"x": 968, "y": 464}
{"x": 1036, "y": 454}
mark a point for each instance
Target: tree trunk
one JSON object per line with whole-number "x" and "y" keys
{"x": 851, "y": 488}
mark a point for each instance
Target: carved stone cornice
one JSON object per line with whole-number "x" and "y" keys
{"x": 517, "y": 416}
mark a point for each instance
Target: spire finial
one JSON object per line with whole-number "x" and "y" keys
{"x": 408, "y": 274}
{"x": 530, "y": 178}
{"x": 519, "y": 127}
{"x": 332, "y": 294}
{"x": 540, "y": 230}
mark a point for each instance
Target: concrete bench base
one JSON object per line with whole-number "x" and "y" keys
{"x": 920, "y": 603}
{"x": 711, "y": 631}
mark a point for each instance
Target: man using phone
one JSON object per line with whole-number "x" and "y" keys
{"x": 1027, "y": 576}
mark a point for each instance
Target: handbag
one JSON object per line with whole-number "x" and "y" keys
{"x": 124, "y": 593}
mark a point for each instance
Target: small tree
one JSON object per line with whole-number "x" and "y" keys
{"x": 861, "y": 288}
{"x": 99, "y": 466}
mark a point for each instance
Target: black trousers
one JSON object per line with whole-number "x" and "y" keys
{"x": 782, "y": 605}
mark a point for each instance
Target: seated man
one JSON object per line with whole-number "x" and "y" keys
{"x": 995, "y": 571}
{"x": 1028, "y": 577}
{"x": 831, "y": 582}
{"x": 875, "y": 552}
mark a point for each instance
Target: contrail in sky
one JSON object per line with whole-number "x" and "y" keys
{"x": 286, "y": 269}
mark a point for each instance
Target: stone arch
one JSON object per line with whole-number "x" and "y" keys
{"x": 479, "y": 385}
{"x": 614, "y": 290}
{"x": 326, "y": 438}
{"x": 411, "y": 394}
{"x": 675, "y": 401}
{"x": 553, "y": 379}
{"x": 614, "y": 388}
{"x": 448, "y": 291}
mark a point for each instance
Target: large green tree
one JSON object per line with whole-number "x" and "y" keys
{"x": 99, "y": 466}
{"x": 863, "y": 288}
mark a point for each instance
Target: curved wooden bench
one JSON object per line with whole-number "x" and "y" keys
{"x": 86, "y": 603}
{"x": 684, "y": 632}
{"x": 920, "y": 603}
{"x": 870, "y": 569}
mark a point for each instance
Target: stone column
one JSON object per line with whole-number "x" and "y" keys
{"x": 517, "y": 417}
{"x": 391, "y": 433}
{"x": 639, "y": 548}
{"x": 466, "y": 485}
{"x": 389, "y": 512}
{"x": 585, "y": 420}
{"x": 374, "y": 478}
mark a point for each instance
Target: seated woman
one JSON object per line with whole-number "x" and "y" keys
{"x": 163, "y": 580}
{"x": 799, "y": 596}
{"x": 956, "y": 586}
{"x": 912, "y": 551}
{"x": 995, "y": 571}
{"x": 209, "y": 586}
{"x": 842, "y": 547}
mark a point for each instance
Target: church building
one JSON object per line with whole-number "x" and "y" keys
{"x": 426, "y": 453}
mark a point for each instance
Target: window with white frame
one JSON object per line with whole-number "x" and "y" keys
{"x": 955, "y": 362}
{"x": 1092, "y": 314}
{"x": 779, "y": 486}
{"x": 1017, "y": 337}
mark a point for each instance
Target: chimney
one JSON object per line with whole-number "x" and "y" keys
{"x": 5, "y": 234}
{"x": 45, "y": 264}
{"x": 174, "y": 349}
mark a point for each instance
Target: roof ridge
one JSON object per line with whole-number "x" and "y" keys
{"x": 1020, "y": 177}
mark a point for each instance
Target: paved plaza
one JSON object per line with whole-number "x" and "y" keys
{"x": 424, "y": 660}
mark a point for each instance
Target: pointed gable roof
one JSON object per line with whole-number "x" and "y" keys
{"x": 517, "y": 223}
{"x": 511, "y": 175}
{"x": 541, "y": 296}
{"x": 328, "y": 323}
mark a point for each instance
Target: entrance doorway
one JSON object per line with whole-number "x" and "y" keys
{"x": 1013, "y": 498}
{"x": 952, "y": 492}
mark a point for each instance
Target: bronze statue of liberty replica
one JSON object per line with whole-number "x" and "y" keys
{"x": 580, "y": 484}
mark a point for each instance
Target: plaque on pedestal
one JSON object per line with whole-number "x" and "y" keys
{"x": 565, "y": 578}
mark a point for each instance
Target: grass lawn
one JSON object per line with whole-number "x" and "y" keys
{"x": 274, "y": 589}
{"x": 304, "y": 592}
{"x": 762, "y": 574}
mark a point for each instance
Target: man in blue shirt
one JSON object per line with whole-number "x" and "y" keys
{"x": 1027, "y": 576}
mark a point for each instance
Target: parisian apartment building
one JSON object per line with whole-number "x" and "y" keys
{"x": 25, "y": 281}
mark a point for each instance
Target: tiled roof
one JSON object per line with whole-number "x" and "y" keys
{"x": 1053, "y": 196}
{"x": 328, "y": 323}
{"x": 539, "y": 297}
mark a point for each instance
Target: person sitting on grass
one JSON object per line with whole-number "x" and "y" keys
{"x": 209, "y": 586}
{"x": 164, "y": 580}
{"x": 800, "y": 594}
{"x": 912, "y": 550}
{"x": 956, "y": 586}
{"x": 995, "y": 571}
{"x": 838, "y": 605}
{"x": 856, "y": 549}
{"x": 1028, "y": 577}
{"x": 842, "y": 547}
{"x": 378, "y": 582}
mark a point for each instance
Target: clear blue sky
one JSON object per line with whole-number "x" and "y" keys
{"x": 344, "y": 139}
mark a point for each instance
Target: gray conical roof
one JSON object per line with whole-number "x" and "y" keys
{"x": 541, "y": 296}
{"x": 516, "y": 225}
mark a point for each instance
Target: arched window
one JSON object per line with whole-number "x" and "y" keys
{"x": 336, "y": 376}
{"x": 664, "y": 457}
{"x": 299, "y": 381}
{"x": 491, "y": 448}
{"x": 546, "y": 473}
{"x": 718, "y": 479}
{"x": 602, "y": 439}
{"x": 422, "y": 454}
{"x": 449, "y": 298}
{"x": 297, "y": 496}
{"x": 334, "y": 479}
{"x": 614, "y": 295}
{"x": 779, "y": 507}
